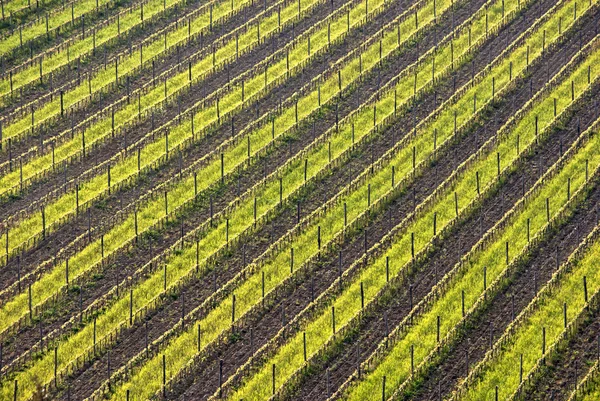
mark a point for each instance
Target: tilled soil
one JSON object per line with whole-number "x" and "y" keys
{"x": 173, "y": 59}
{"x": 104, "y": 210}
{"x": 565, "y": 369}
{"x": 107, "y": 208}
{"x": 276, "y": 314}
{"x": 69, "y": 74}
{"x": 373, "y": 331}
{"x": 42, "y": 43}
{"x": 507, "y": 304}
{"x": 376, "y": 152}
{"x": 113, "y": 357}
{"x": 248, "y": 178}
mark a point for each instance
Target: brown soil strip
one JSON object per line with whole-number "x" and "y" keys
{"x": 372, "y": 331}
{"x": 275, "y": 158}
{"x": 65, "y": 32}
{"x": 272, "y": 319}
{"x": 132, "y": 38}
{"x": 140, "y": 78}
{"x": 105, "y": 209}
{"x": 340, "y": 178}
{"x": 566, "y": 368}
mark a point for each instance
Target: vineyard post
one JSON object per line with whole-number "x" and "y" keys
{"x": 108, "y": 367}
{"x": 222, "y": 168}
{"x": 586, "y": 170}
{"x": 383, "y": 388}
{"x": 198, "y": 255}
{"x": 131, "y": 307}
{"x": 164, "y": 375}
{"x": 135, "y": 223}
{"x": 43, "y": 222}
{"x": 543, "y": 341}
{"x": 146, "y": 338}
{"x": 412, "y": 247}
{"x": 585, "y": 291}
{"x": 333, "y": 319}
{"x": 548, "y": 210}
{"x": 232, "y": 309}
{"x": 412, "y": 359}
{"x": 273, "y": 379}
{"x": 434, "y": 224}
{"x": 56, "y": 367}
{"x": 263, "y": 288}
{"x": 521, "y": 368}
{"x": 291, "y": 260}
{"x": 456, "y": 203}
{"x": 166, "y": 204}
{"x": 303, "y": 341}
{"x": 319, "y": 237}
{"x": 280, "y": 190}
{"x": 67, "y": 272}
{"x": 496, "y": 393}
{"x": 484, "y": 278}
{"x": 30, "y": 304}
{"x": 16, "y": 390}
{"x": 528, "y": 230}
{"x": 387, "y": 269}
{"x": 438, "y": 329}
{"x": 565, "y": 314}
{"x": 362, "y": 296}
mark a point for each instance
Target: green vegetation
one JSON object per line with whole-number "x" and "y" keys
{"x": 466, "y": 279}
{"x": 502, "y": 366}
{"x": 49, "y": 23}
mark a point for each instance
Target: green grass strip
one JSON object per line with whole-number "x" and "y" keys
{"x": 118, "y": 26}
{"x": 250, "y": 35}
{"x": 243, "y": 223}
{"x": 126, "y": 168}
{"x": 11, "y": 7}
{"x": 107, "y": 78}
{"x": 502, "y": 365}
{"x": 182, "y": 349}
{"x": 49, "y": 23}
{"x": 240, "y": 220}
{"x": 289, "y": 357}
{"x": 127, "y": 113}
{"x": 185, "y": 191}
{"x": 588, "y": 388}
{"x": 396, "y": 367}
